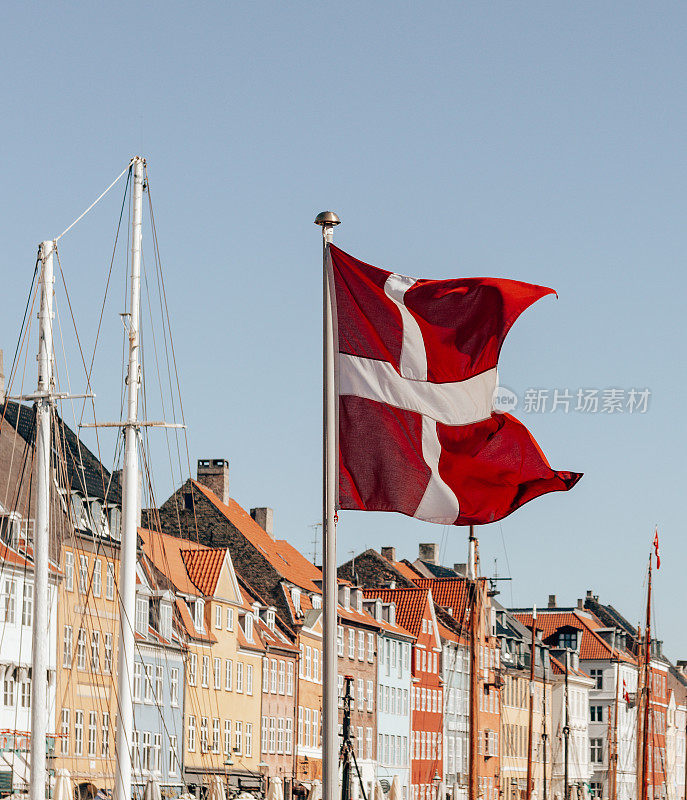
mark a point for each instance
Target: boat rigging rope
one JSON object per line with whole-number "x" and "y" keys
{"x": 95, "y": 202}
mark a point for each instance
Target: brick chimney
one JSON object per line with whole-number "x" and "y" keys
{"x": 214, "y": 473}
{"x": 552, "y": 601}
{"x": 264, "y": 516}
{"x": 429, "y": 552}
{"x": 389, "y": 553}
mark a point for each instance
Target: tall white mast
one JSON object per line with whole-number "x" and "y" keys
{"x": 330, "y": 709}
{"x": 40, "y": 638}
{"x": 127, "y": 570}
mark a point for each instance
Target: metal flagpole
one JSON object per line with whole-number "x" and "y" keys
{"x": 40, "y": 637}
{"x": 530, "y": 724}
{"x": 330, "y": 756}
{"x": 475, "y": 619}
{"x": 127, "y": 570}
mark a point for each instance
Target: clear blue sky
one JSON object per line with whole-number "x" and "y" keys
{"x": 539, "y": 141}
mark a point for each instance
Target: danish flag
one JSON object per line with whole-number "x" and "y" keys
{"x": 658, "y": 555}
{"x": 416, "y": 377}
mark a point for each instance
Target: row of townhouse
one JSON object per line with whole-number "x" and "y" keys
{"x": 227, "y": 677}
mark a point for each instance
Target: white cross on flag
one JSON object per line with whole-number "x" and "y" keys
{"x": 416, "y": 376}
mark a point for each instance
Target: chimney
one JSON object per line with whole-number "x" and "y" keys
{"x": 429, "y": 552}
{"x": 580, "y": 603}
{"x": 461, "y": 569}
{"x": 214, "y": 474}
{"x": 264, "y": 517}
{"x": 2, "y": 378}
{"x": 552, "y": 601}
{"x": 389, "y": 553}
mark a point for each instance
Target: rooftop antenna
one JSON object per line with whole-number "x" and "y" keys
{"x": 314, "y": 541}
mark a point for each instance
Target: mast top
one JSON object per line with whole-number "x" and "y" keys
{"x": 327, "y": 219}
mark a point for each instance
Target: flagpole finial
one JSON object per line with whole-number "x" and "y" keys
{"x": 327, "y": 219}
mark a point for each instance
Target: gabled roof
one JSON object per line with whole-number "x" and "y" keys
{"x": 410, "y": 605}
{"x": 284, "y": 558}
{"x": 188, "y": 625}
{"x": 450, "y": 593}
{"x": 165, "y": 553}
{"x": 204, "y": 566}
{"x": 84, "y": 471}
{"x": 592, "y": 647}
{"x": 559, "y": 669}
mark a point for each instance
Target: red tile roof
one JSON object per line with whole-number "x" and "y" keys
{"x": 592, "y": 647}
{"x": 284, "y": 558}
{"x": 410, "y": 605}
{"x": 204, "y": 567}
{"x": 449, "y": 593}
{"x": 559, "y": 669}
{"x": 164, "y": 551}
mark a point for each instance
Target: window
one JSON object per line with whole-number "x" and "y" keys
{"x": 567, "y": 639}
{"x": 158, "y": 684}
{"x": 83, "y": 574}
{"x": 192, "y": 733}
{"x": 27, "y": 604}
{"x": 81, "y": 649}
{"x": 340, "y": 639}
{"x": 315, "y": 728}
{"x": 107, "y": 659}
{"x": 361, "y": 694}
{"x": 227, "y": 737}
{"x": 109, "y": 581}
{"x": 228, "y": 674}
{"x": 341, "y": 691}
{"x": 145, "y": 752}
{"x": 67, "y": 646}
{"x": 217, "y": 672}
{"x": 105, "y": 735}
{"x": 306, "y": 712}
{"x": 282, "y": 673}
{"x": 370, "y": 697}
{"x": 65, "y": 731}
{"x": 265, "y": 734}
{"x": 288, "y": 737}
{"x": 174, "y": 686}
{"x": 361, "y": 645}
{"x": 596, "y": 751}
{"x": 218, "y": 617}
{"x": 9, "y": 600}
{"x": 78, "y": 733}
{"x": 289, "y": 679}
{"x": 301, "y": 661}
{"x": 137, "y": 680}
{"x": 142, "y": 616}
{"x": 239, "y": 676}
{"x": 280, "y": 735}
{"x": 308, "y": 662}
{"x": 249, "y": 739}
{"x": 97, "y": 577}
{"x": 8, "y": 690}
{"x": 95, "y": 651}
{"x": 596, "y": 713}
{"x": 148, "y": 688}
{"x": 370, "y": 647}
{"x": 203, "y": 734}
{"x": 215, "y": 735}
{"x": 198, "y": 613}
{"x": 172, "y": 756}
{"x": 368, "y": 743}
{"x": 205, "y": 671}
{"x": 69, "y": 578}
{"x": 238, "y": 737}
{"x": 26, "y": 693}
{"x": 230, "y": 619}
{"x": 249, "y": 684}
{"x": 351, "y": 643}
{"x": 300, "y": 725}
{"x": 273, "y": 672}
{"x": 92, "y": 733}
{"x": 166, "y": 620}
{"x": 272, "y": 735}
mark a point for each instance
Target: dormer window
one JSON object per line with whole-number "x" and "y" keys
{"x": 347, "y": 597}
{"x": 116, "y": 523}
{"x": 359, "y": 601}
{"x": 378, "y": 609}
{"x": 198, "y": 614}
{"x": 270, "y": 619}
{"x": 567, "y": 639}
{"x": 316, "y": 601}
{"x": 249, "y": 627}
{"x": 296, "y": 599}
{"x": 142, "y": 616}
{"x": 165, "y": 620}
{"x": 392, "y": 613}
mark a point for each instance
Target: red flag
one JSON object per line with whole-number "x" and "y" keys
{"x": 626, "y": 696}
{"x": 658, "y": 557}
{"x": 416, "y": 378}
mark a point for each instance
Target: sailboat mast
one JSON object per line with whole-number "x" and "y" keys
{"x": 566, "y": 732}
{"x": 545, "y": 735}
{"x": 130, "y": 489}
{"x": 646, "y": 692}
{"x": 530, "y": 727}
{"x": 613, "y": 766}
{"x": 473, "y": 588}
{"x": 40, "y": 638}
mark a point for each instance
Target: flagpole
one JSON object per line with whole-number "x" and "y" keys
{"x": 327, "y": 220}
